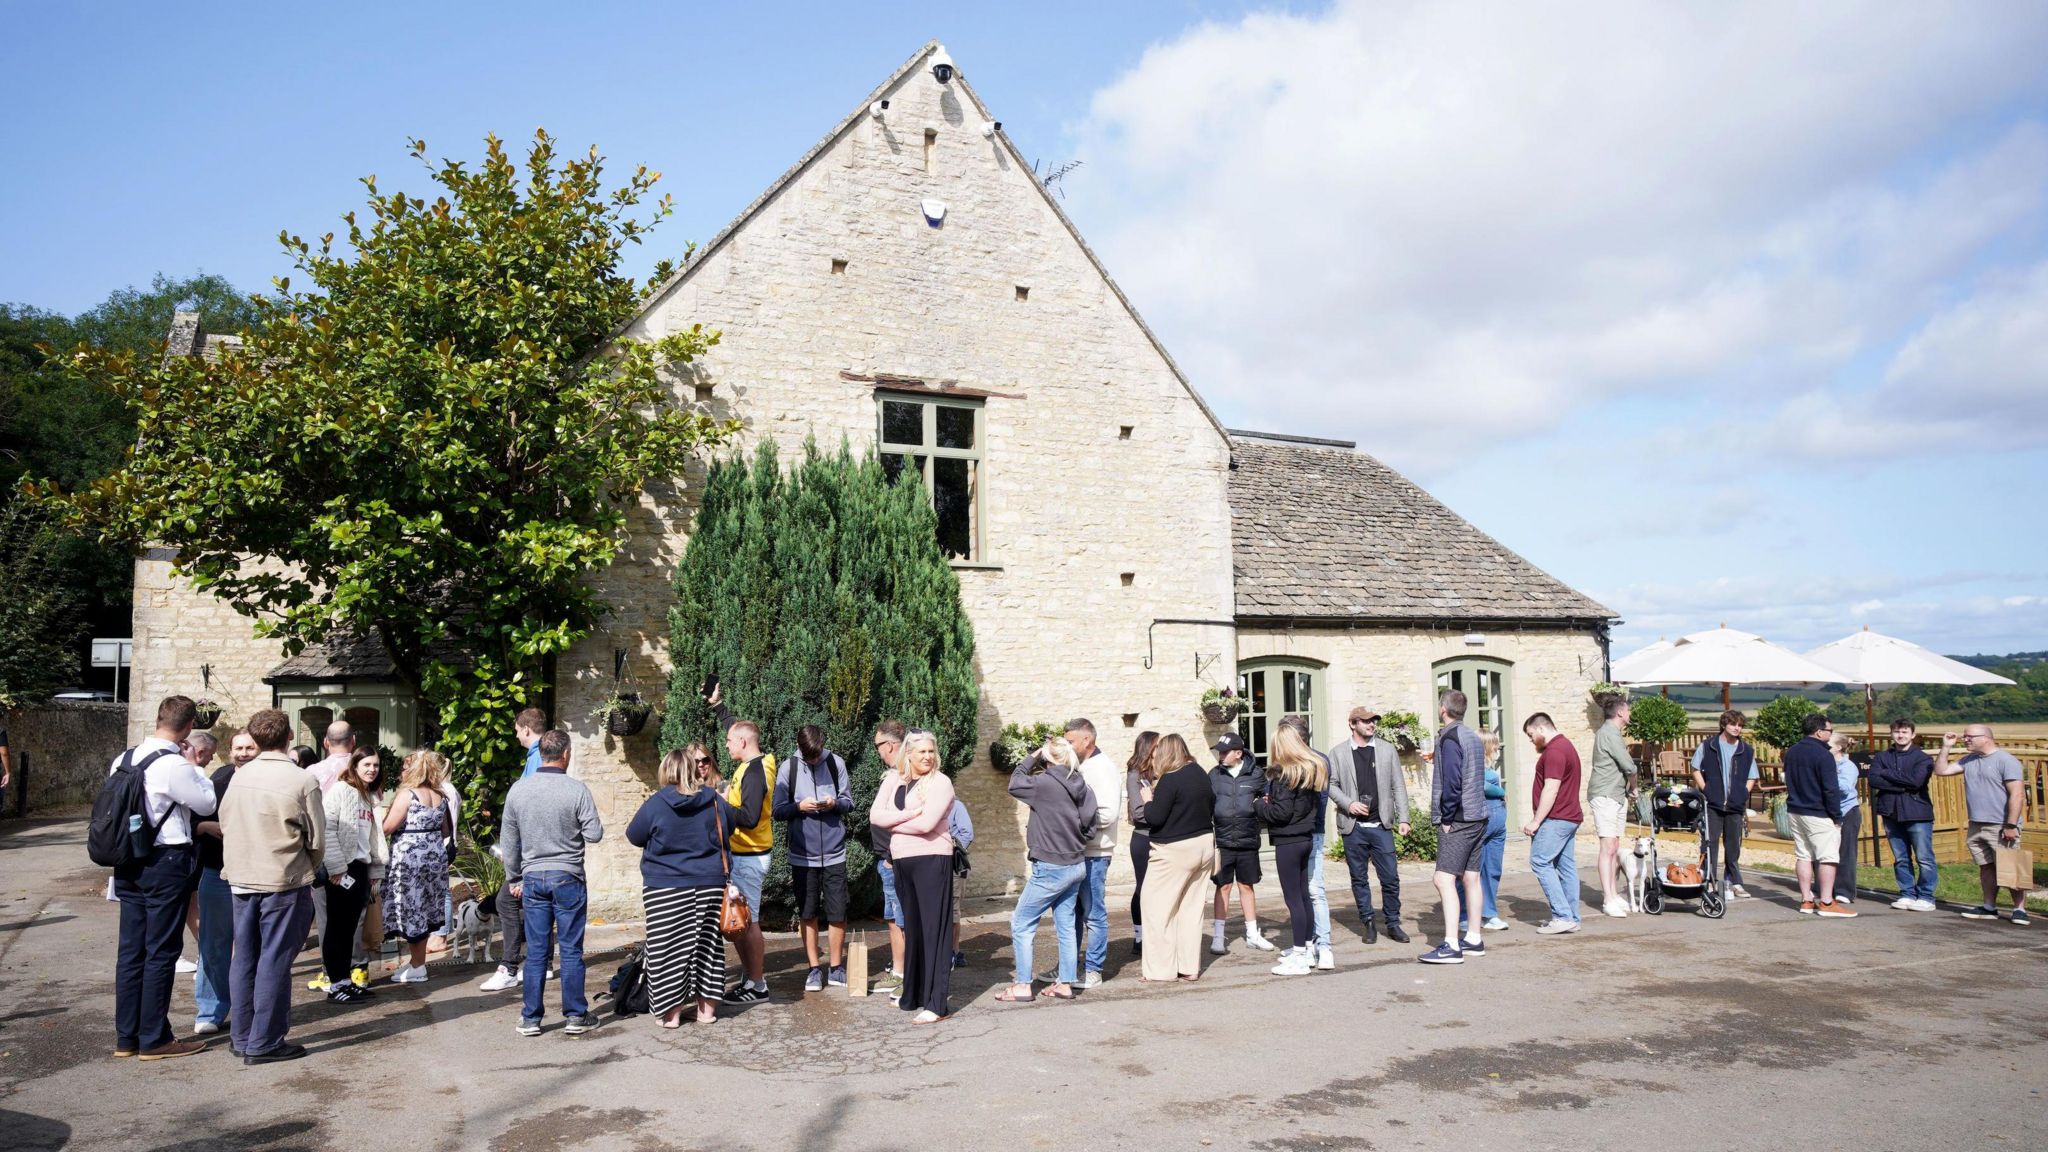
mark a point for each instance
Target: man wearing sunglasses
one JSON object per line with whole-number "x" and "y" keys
{"x": 1994, "y": 793}
{"x": 1813, "y": 804}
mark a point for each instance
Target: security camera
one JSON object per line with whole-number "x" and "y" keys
{"x": 942, "y": 67}
{"x": 877, "y": 108}
{"x": 989, "y": 128}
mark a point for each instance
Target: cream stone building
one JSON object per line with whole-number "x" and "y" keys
{"x": 908, "y": 284}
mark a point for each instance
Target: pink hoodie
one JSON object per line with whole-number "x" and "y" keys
{"x": 920, "y": 828}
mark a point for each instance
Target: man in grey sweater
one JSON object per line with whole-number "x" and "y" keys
{"x": 549, "y": 819}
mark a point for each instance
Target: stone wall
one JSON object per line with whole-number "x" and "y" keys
{"x": 179, "y": 635}
{"x": 69, "y": 746}
{"x": 1072, "y": 500}
{"x": 1550, "y": 670}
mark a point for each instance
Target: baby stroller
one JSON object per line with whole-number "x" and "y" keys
{"x": 1683, "y": 810}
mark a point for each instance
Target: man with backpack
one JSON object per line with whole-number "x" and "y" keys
{"x": 812, "y": 799}
{"x": 142, "y": 827}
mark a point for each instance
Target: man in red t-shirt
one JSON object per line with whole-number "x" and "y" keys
{"x": 1553, "y": 827}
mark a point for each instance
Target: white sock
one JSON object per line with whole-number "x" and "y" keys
{"x": 1219, "y": 929}
{"x": 758, "y": 985}
{"x": 1472, "y": 939}
{"x": 1251, "y": 926}
{"x": 1138, "y": 933}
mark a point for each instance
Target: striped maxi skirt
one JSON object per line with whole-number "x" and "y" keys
{"x": 685, "y": 954}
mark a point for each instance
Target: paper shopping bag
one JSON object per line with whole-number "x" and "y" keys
{"x": 856, "y": 963}
{"x": 2015, "y": 868}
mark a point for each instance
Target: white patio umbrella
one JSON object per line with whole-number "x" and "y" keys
{"x": 1875, "y": 661}
{"x": 1726, "y": 656}
{"x": 1624, "y": 667}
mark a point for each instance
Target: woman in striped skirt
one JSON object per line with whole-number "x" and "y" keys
{"x": 683, "y": 831}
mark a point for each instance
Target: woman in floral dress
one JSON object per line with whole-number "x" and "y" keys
{"x": 420, "y": 824}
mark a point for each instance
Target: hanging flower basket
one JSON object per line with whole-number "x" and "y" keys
{"x": 1221, "y": 705}
{"x": 206, "y": 714}
{"x": 626, "y": 714}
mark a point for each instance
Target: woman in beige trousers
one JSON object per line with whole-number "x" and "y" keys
{"x": 1180, "y": 817}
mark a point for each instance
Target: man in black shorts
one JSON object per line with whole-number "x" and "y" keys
{"x": 1236, "y": 781}
{"x": 1457, "y": 806}
{"x": 813, "y": 796}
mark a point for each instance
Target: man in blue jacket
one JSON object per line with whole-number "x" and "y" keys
{"x": 1813, "y": 805}
{"x": 813, "y": 798}
{"x": 1457, "y": 806}
{"x": 1898, "y": 786}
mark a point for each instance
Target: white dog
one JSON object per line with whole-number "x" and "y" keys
{"x": 472, "y": 931}
{"x": 1637, "y": 864}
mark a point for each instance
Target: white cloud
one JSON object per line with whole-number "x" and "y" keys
{"x": 1376, "y": 217}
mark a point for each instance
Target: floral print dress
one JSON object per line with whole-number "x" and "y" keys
{"x": 416, "y": 880}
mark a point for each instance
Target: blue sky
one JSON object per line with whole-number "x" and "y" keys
{"x": 1727, "y": 314}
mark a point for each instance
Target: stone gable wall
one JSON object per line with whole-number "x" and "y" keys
{"x": 1070, "y": 505}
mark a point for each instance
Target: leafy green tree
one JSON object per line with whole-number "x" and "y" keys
{"x": 1777, "y": 723}
{"x": 433, "y": 445}
{"x": 41, "y": 613}
{"x": 820, "y": 596}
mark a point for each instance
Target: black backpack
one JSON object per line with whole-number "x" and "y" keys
{"x": 629, "y": 986}
{"x": 121, "y": 831}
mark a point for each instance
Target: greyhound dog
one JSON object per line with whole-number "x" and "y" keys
{"x": 1637, "y": 864}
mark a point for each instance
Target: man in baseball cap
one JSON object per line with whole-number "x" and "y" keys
{"x": 1235, "y": 782}
{"x": 1372, "y": 807}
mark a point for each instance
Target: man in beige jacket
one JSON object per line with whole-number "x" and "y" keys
{"x": 271, "y": 831}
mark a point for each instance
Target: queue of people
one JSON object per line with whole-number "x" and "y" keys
{"x": 276, "y": 840}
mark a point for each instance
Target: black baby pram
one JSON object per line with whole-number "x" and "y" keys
{"x": 1683, "y": 810}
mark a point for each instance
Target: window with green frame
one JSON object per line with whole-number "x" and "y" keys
{"x": 1272, "y": 692}
{"x": 942, "y": 439}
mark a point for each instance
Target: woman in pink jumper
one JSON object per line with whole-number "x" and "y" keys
{"x": 914, "y": 803}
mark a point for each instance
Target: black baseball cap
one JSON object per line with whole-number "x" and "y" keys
{"x": 1228, "y": 742}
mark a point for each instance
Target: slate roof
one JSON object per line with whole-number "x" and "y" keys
{"x": 340, "y": 657}
{"x": 1321, "y": 531}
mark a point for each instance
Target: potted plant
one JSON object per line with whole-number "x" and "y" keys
{"x": 625, "y": 714}
{"x": 1017, "y": 742}
{"x": 1221, "y": 705}
{"x": 1604, "y": 689}
{"x": 206, "y": 713}
{"x": 1656, "y": 721}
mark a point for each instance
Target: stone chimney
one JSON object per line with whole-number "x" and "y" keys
{"x": 185, "y": 336}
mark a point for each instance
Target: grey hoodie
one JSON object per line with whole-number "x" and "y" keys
{"x": 1063, "y": 811}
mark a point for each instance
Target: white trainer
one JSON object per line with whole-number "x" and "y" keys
{"x": 1293, "y": 962}
{"x": 1557, "y": 927}
{"x": 1616, "y": 909}
{"x": 1924, "y": 906}
{"x": 1326, "y": 961}
{"x": 1258, "y": 940}
{"x": 500, "y": 980}
{"x": 411, "y": 975}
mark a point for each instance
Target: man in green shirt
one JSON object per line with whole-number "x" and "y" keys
{"x": 1610, "y": 786}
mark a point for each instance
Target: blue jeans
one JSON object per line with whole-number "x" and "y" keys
{"x": 891, "y": 910}
{"x": 1493, "y": 854}
{"x": 1054, "y": 888}
{"x": 152, "y": 895}
{"x": 216, "y": 947}
{"x": 554, "y": 904}
{"x": 1913, "y": 842}
{"x": 1553, "y": 860}
{"x": 1373, "y": 847}
{"x": 1091, "y": 912}
{"x": 1318, "y": 896}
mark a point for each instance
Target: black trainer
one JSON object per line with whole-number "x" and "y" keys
{"x": 276, "y": 1055}
{"x": 746, "y": 995}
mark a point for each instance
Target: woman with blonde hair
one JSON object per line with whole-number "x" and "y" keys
{"x": 1288, "y": 806}
{"x": 420, "y": 825}
{"x": 1063, "y": 820}
{"x": 915, "y": 805}
{"x": 1180, "y": 815}
{"x": 684, "y": 832}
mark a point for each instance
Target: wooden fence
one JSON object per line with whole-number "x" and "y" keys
{"x": 1950, "y": 816}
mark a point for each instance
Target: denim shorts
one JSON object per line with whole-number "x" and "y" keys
{"x": 748, "y": 874}
{"x": 891, "y": 911}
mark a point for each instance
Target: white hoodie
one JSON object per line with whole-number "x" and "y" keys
{"x": 1105, "y": 778}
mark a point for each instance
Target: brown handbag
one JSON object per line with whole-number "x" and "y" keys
{"x": 734, "y": 917}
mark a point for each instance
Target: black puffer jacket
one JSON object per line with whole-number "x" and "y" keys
{"x": 1237, "y": 825}
{"x": 1289, "y": 814}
